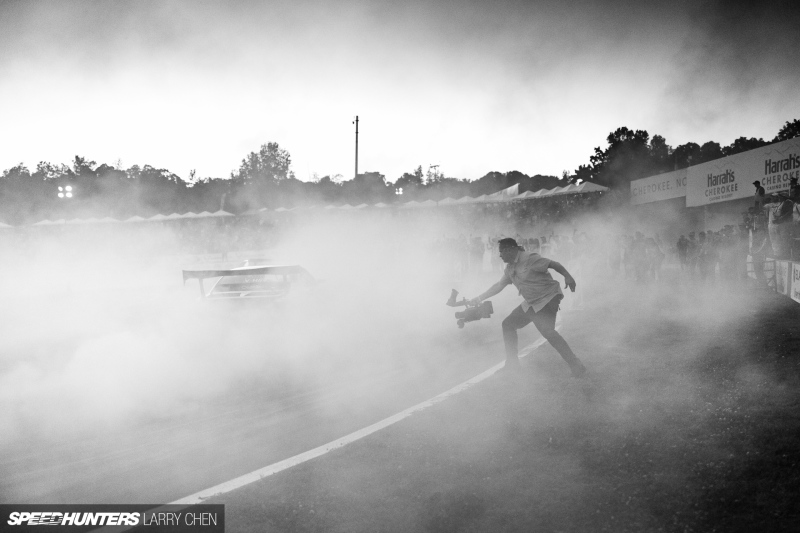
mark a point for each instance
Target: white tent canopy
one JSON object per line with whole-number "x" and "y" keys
{"x": 175, "y": 216}
{"x": 505, "y": 195}
{"x": 591, "y": 187}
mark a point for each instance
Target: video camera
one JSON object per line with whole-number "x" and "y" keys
{"x": 472, "y": 312}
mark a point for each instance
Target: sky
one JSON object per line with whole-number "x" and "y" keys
{"x": 470, "y": 86}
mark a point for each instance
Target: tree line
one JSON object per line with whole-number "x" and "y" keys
{"x": 264, "y": 179}
{"x": 632, "y": 155}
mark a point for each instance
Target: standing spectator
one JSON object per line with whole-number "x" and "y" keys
{"x": 780, "y": 225}
{"x": 706, "y": 257}
{"x": 692, "y": 251}
{"x": 639, "y": 257}
{"x": 475, "y": 254}
{"x": 683, "y": 250}
{"x": 615, "y": 254}
{"x": 759, "y": 250}
{"x": 760, "y": 195}
{"x": 487, "y": 255}
{"x": 546, "y": 247}
{"x": 654, "y": 258}
{"x": 727, "y": 254}
{"x": 627, "y": 256}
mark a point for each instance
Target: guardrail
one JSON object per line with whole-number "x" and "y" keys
{"x": 780, "y": 275}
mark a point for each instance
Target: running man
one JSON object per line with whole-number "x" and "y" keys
{"x": 528, "y": 271}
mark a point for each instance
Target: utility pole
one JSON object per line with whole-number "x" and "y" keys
{"x": 356, "y": 123}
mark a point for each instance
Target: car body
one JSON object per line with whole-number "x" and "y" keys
{"x": 251, "y": 281}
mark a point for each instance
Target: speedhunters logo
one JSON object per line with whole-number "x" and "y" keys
{"x": 151, "y": 518}
{"x": 45, "y": 518}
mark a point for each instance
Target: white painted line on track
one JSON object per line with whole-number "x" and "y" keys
{"x": 274, "y": 468}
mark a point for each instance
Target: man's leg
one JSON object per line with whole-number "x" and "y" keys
{"x": 516, "y": 320}
{"x": 545, "y": 322}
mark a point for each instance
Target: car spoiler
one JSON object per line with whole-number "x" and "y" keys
{"x": 240, "y": 271}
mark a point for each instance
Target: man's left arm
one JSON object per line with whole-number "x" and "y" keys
{"x": 569, "y": 281}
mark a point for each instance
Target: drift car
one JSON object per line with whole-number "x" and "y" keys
{"x": 269, "y": 282}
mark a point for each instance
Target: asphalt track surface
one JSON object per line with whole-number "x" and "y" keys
{"x": 226, "y": 435}
{"x": 163, "y": 462}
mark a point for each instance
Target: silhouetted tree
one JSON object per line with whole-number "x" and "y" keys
{"x": 16, "y": 190}
{"x": 743, "y": 144}
{"x": 328, "y": 189}
{"x": 790, "y": 130}
{"x": 411, "y": 183}
{"x": 628, "y": 157}
{"x": 269, "y": 165}
{"x": 661, "y": 153}
{"x": 255, "y": 183}
{"x": 686, "y": 155}
{"x": 369, "y": 187}
{"x": 710, "y": 151}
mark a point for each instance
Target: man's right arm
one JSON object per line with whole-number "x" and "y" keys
{"x": 494, "y": 289}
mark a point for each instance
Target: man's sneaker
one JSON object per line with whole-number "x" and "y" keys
{"x": 578, "y": 371}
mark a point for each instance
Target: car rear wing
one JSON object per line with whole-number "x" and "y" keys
{"x": 283, "y": 270}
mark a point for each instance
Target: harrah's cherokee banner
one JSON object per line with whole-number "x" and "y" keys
{"x": 732, "y": 177}
{"x": 659, "y": 187}
{"x": 203, "y": 518}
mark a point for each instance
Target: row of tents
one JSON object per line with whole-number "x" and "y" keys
{"x": 109, "y": 220}
{"x": 506, "y": 195}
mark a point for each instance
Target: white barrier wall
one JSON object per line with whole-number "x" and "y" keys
{"x": 783, "y": 281}
{"x": 660, "y": 187}
{"x": 786, "y": 276}
{"x": 729, "y": 178}
{"x": 794, "y": 290}
{"x": 732, "y": 177}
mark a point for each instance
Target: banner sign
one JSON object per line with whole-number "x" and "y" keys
{"x": 732, "y": 177}
{"x": 795, "y": 288}
{"x": 660, "y": 187}
{"x": 204, "y": 518}
{"x": 782, "y": 281}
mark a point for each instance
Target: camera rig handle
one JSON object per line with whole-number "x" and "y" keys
{"x": 453, "y": 302}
